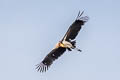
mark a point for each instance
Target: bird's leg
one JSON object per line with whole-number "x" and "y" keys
{"x": 74, "y": 46}
{"x": 78, "y": 49}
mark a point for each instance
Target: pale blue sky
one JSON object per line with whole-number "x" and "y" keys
{"x": 29, "y": 29}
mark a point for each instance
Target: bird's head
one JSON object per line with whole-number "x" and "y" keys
{"x": 59, "y": 44}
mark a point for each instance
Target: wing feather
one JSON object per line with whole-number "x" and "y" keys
{"x": 48, "y": 60}
{"x": 75, "y": 28}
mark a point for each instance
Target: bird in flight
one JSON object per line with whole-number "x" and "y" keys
{"x": 68, "y": 42}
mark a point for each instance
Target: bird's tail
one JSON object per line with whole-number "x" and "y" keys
{"x": 74, "y": 46}
{"x": 73, "y": 43}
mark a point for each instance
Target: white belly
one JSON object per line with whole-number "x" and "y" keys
{"x": 67, "y": 44}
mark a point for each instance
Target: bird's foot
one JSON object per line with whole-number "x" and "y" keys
{"x": 78, "y": 49}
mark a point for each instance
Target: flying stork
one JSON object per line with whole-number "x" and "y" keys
{"x": 67, "y": 43}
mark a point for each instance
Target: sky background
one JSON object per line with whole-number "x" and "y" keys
{"x": 29, "y": 29}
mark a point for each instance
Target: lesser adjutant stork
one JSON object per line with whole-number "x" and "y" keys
{"x": 67, "y": 43}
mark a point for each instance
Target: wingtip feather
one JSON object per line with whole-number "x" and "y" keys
{"x": 79, "y": 17}
{"x": 42, "y": 67}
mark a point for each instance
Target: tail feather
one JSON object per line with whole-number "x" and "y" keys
{"x": 73, "y": 43}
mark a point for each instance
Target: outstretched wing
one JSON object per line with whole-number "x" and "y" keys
{"x": 48, "y": 60}
{"x": 75, "y": 27}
